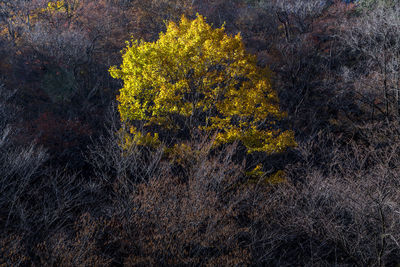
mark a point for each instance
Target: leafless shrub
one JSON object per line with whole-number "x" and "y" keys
{"x": 18, "y": 165}
{"x": 7, "y": 111}
{"x": 197, "y": 221}
{"x": 34, "y": 198}
{"x": 371, "y": 40}
{"x": 15, "y": 16}
{"x": 345, "y": 213}
{"x": 81, "y": 250}
{"x": 299, "y": 15}
{"x": 12, "y": 251}
{"x": 119, "y": 169}
{"x": 66, "y": 46}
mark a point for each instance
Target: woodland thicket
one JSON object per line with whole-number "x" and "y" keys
{"x": 186, "y": 133}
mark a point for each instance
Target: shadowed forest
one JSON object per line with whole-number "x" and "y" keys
{"x": 199, "y": 132}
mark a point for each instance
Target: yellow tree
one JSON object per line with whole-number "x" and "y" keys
{"x": 195, "y": 77}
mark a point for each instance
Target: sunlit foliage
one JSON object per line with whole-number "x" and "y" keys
{"x": 62, "y": 6}
{"x": 195, "y": 77}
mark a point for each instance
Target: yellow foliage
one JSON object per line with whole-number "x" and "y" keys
{"x": 257, "y": 175}
{"x": 57, "y": 5}
{"x": 182, "y": 154}
{"x": 138, "y": 138}
{"x": 204, "y": 77}
{"x": 276, "y": 178}
{"x": 61, "y": 6}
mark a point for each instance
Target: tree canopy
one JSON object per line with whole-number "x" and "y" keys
{"x": 195, "y": 77}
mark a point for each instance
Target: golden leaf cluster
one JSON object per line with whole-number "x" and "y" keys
{"x": 205, "y": 78}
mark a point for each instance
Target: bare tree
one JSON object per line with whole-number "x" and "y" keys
{"x": 372, "y": 41}
{"x": 343, "y": 213}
